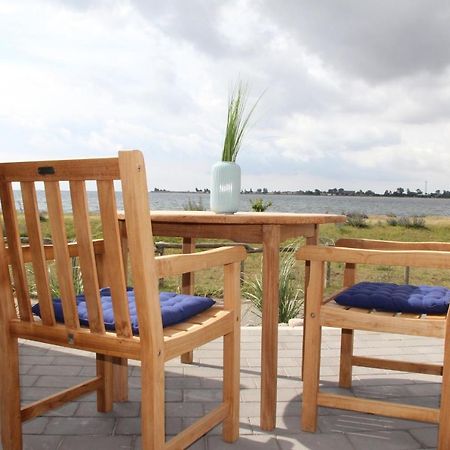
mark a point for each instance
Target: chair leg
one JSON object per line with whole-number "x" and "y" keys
{"x": 152, "y": 405}
{"x": 311, "y": 375}
{"x": 444, "y": 415}
{"x": 11, "y": 422}
{"x": 231, "y": 384}
{"x": 105, "y": 393}
{"x": 311, "y": 354}
{"x": 345, "y": 371}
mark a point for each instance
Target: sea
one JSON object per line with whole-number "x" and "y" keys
{"x": 406, "y": 206}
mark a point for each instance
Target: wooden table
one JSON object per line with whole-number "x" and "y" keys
{"x": 268, "y": 229}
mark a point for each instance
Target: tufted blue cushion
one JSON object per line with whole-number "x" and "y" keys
{"x": 397, "y": 298}
{"x": 175, "y": 308}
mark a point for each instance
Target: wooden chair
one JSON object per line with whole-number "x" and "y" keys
{"x": 102, "y": 265}
{"x": 326, "y": 312}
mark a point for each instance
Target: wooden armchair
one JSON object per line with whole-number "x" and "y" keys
{"x": 102, "y": 265}
{"x": 327, "y": 312}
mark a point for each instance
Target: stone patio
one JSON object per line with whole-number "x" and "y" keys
{"x": 192, "y": 390}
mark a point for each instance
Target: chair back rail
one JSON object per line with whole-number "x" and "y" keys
{"x": 100, "y": 262}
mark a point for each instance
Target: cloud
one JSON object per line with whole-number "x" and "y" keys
{"x": 356, "y": 93}
{"x": 377, "y": 41}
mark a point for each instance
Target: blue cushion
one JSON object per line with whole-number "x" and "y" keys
{"x": 175, "y": 308}
{"x": 397, "y": 298}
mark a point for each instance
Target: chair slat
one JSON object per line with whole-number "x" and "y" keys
{"x": 37, "y": 252}
{"x": 62, "y": 258}
{"x": 86, "y": 255}
{"x": 14, "y": 245}
{"x": 113, "y": 257}
{"x": 75, "y": 169}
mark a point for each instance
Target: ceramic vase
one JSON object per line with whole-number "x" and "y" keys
{"x": 225, "y": 187}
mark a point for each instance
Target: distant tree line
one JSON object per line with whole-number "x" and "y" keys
{"x": 399, "y": 192}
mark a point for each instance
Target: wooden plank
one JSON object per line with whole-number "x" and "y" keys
{"x": 75, "y": 169}
{"x": 141, "y": 251}
{"x": 171, "y": 265}
{"x": 444, "y": 425}
{"x": 432, "y": 259}
{"x": 9, "y": 364}
{"x": 82, "y": 339}
{"x": 231, "y": 352}
{"x": 339, "y": 317}
{"x": 180, "y": 342}
{"x": 187, "y": 287}
{"x": 237, "y": 233}
{"x": 113, "y": 257}
{"x": 104, "y": 368}
{"x": 311, "y": 240}
{"x": 99, "y": 249}
{"x": 345, "y": 366}
{"x": 40, "y": 268}
{"x": 403, "y": 366}
{"x": 62, "y": 258}
{"x": 311, "y": 363}
{"x": 88, "y": 265}
{"x": 392, "y": 245}
{"x": 269, "y": 338}
{"x": 243, "y": 218}
{"x": 197, "y": 429}
{"x": 60, "y": 398}
{"x": 381, "y": 408}
{"x": 15, "y": 251}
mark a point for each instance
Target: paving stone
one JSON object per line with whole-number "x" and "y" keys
{"x": 304, "y": 441}
{"x": 55, "y": 370}
{"x": 39, "y": 442}
{"x": 70, "y": 425}
{"x": 386, "y": 440}
{"x": 193, "y": 390}
{"x": 35, "y": 426}
{"x": 97, "y": 443}
{"x": 428, "y": 437}
{"x": 252, "y": 442}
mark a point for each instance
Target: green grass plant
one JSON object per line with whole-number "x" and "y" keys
{"x": 237, "y": 121}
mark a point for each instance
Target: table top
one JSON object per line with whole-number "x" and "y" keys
{"x": 243, "y": 218}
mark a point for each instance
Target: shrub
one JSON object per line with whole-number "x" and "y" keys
{"x": 290, "y": 295}
{"x": 357, "y": 219}
{"x": 412, "y": 222}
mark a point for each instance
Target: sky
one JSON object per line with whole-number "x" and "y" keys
{"x": 356, "y": 94}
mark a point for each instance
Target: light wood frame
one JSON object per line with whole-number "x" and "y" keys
{"x": 322, "y": 311}
{"x": 101, "y": 265}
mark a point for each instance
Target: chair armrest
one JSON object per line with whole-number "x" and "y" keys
{"x": 371, "y": 244}
{"x": 413, "y": 258}
{"x": 191, "y": 262}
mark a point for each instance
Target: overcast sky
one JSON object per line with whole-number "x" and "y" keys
{"x": 357, "y": 93}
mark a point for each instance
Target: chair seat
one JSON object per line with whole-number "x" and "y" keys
{"x": 396, "y": 298}
{"x": 175, "y": 308}
{"x": 369, "y": 319}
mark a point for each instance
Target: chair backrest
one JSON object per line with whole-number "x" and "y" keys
{"x": 26, "y": 266}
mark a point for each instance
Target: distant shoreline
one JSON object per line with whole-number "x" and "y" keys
{"x": 350, "y": 194}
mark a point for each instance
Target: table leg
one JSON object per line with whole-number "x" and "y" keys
{"x": 187, "y": 287}
{"x": 310, "y": 240}
{"x": 269, "y": 333}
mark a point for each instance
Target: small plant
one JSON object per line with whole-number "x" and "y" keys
{"x": 237, "y": 121}
{"x": 290, "y": 295}
{"x": 412, "y": 222}
{"x": 192, "y": 205}
{"x": 392, "y": 220}
{"x": 357, "y": 219}
{"x": 259, "y": 205}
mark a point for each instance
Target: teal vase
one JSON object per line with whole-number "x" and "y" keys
{"x": 225, "y": 187}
